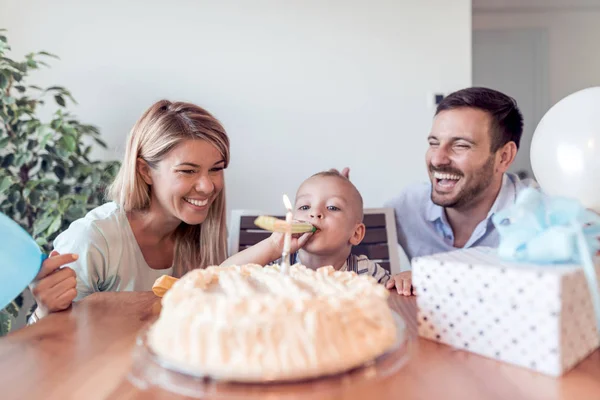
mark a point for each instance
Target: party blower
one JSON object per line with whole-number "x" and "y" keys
{"x": 20, "y": 259}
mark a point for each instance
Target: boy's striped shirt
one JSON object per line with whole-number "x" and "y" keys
{"x": 359, "y": 264}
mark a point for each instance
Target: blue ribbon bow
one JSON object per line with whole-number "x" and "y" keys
{"x": 551, "y": 230}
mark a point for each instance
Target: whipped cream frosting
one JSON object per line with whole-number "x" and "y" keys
{"x": 251, "y": 323}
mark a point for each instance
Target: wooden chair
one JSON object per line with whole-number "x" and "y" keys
{"x": 380, "y": 243}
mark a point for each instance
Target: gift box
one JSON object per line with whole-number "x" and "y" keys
{"x": 525, "y": 314}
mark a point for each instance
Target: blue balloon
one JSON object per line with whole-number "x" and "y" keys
{"x": 20, "y": 259}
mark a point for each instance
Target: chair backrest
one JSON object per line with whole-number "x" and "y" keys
{"x": 380, "y": 243}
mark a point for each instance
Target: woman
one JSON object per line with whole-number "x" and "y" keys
{"x": 167, "y": 214}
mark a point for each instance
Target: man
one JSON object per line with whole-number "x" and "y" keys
{"x": 474, "y": 139}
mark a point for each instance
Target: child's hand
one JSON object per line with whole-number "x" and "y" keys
{"x": 276, "y": 240}
{"x": 402, "y": 282}
{"x": 54, "y": 288}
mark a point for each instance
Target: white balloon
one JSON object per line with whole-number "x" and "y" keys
{"x": 565, "y": 148}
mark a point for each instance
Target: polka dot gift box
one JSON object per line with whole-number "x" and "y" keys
{"x": 536, "y": 318}
{"x": 533, "y": 302}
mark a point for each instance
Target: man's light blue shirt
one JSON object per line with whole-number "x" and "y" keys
{"x": 423, "y": 228}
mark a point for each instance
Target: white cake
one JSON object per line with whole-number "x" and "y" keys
{"x": 249, "y": 323}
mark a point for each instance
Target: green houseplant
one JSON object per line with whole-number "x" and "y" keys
{"x": 47, "y": 179}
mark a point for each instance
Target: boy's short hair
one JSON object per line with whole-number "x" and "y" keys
{"x": 357, "y": 197}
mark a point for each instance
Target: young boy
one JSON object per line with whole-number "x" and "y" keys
{"x": 332, "y": 204}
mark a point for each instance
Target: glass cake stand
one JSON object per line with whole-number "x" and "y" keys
{"x": 149, "y": 370}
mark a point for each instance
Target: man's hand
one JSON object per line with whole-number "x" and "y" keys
{"x": 402, "y": 282}
{"x": 345, "y": 172}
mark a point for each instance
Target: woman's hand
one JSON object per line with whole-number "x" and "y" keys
{"x": 54, "y": 288}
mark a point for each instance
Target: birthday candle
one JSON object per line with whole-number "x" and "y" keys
{"x": 288, "y": 236}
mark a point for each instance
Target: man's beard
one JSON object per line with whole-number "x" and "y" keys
{"x": 479, "y": 181}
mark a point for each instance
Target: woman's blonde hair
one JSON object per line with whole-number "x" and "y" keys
{"x": 162, "y": 127}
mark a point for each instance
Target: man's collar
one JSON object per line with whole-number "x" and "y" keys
{"x": 433, "y": 211}
{"x": 506, "y": 196}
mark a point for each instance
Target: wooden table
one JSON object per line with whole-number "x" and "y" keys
{"x": 85, "y": 353}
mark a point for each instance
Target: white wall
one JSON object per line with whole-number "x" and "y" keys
{"x": 573, "y": 41}
{"x": 300, "y": 86}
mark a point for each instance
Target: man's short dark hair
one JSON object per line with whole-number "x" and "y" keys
{"x": 507, "y": 120}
